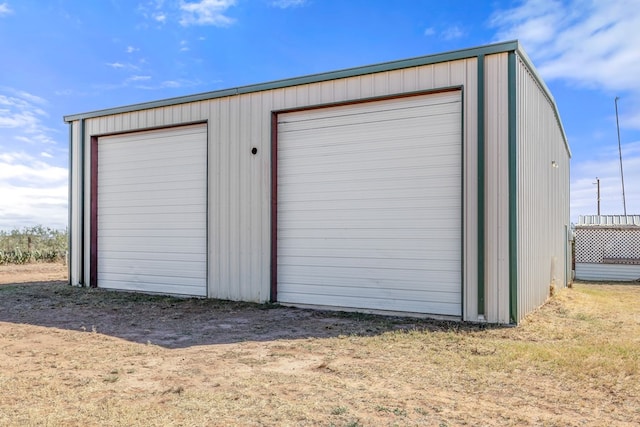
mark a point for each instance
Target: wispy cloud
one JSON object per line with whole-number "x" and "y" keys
{"x": 160, "y": 17}
{"x": 5, "y": 9}
{"x": 131, "y": 49}
{"x": 284, "y": 4}
{"x": 154, "y": 10}
{"x": 33, "y": 192}
{"x": 115, "y": 64}
{"x": 593, "y": 45}
{"x": 138, "y": 78}
{"x": 430, "y": 31}
{"x": 449, "y": 33}
{"x": 120, "y": 65}
{"x": 169, "y": 84}
{"x": 206, "y": 12}
{"x": 21, "y": 117}
{"x": 589, "y": 43}
{"x": 453, "y": 32}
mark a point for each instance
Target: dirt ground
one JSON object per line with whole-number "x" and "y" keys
{"x": 39, "y": 272}
{"x": 89, "y": 357}
{"x": 169, "y": 322}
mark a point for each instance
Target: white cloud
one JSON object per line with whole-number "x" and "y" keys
{"x": 46, "y": 155}
{"x": 21, "y": 117}
{"x": 5, "y": 9}
{"x": 33, "y": 192}
{"x": 119, "y": 65}
{"x": 131, "y": 49}
{"x": 593, "y": 45}
{"x": 206, "y": 12}
{"x": 449, "y": 33}
{"x": 153, "y": 10}
{"x": 607, "y": 168}
{"x": 138, "y": 78}
{"x": 590, "y": 43}
{"x": 284, "y": 4}
{"x": 453, "y": 32}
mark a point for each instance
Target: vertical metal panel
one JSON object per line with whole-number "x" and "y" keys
{"x": 369, "y": 211}
{"x": 149, "y": 233}
{"x": 496, "y": 189}
{"x": 612, "y": 272}
{"x": 75, "y": 230}
{"x": 214, "y": 199}
{"x": 91, "y": 126}
{"x": 542, "y": 194}
{"x": 470, "y": 193}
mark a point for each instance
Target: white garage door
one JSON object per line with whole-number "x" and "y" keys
{"x": 152, "y": 211}
{"x": 370, "y": 204}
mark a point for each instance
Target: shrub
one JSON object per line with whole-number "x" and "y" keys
{"x": 33, "y": 244}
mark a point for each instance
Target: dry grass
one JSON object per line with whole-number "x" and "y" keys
{"x": 576, "y": 361}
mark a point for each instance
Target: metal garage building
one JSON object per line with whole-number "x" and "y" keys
{"x": 436, "y": 185}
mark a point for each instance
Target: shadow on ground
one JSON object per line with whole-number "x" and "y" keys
{"x": 183, "y": 322}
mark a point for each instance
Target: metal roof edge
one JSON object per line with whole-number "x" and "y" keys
{"x": 525, "y": 58}
{"x": 501, "y": 47}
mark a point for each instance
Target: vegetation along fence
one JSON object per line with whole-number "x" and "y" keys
{"x": 33, "y": 244}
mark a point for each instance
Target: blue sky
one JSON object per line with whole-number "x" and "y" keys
{"x": 62, "y": 57}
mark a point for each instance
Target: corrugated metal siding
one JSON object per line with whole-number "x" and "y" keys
{"x": 369, "y": 205}
{"x": 596, "y": 220}
{"x": 607, "y": 272}
{"x": 542, "y": 194}
{"x": 496, "y": 189}
{"x": 152, "y": 211}
{"x": 75, "y": 230}
{"x": 240, "y": 184}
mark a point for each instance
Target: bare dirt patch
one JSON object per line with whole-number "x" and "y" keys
{"x": 36, "y": 272}
{"x": 72, "y": 356}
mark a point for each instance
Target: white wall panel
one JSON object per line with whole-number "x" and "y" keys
{"x": 152, "y": 211}
{"x": 357, "y": 181}
{"x": 542, "y": 194}
{"x": 496, "y": 192}
{"x": 75, "y": 230}
{"x": 607, "y": 272}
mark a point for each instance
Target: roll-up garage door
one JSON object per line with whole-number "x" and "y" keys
{"x": 369, "y": 205}
{"x": 152, "y": 211}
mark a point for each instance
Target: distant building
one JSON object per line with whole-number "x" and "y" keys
{"x": 607, "y": 247}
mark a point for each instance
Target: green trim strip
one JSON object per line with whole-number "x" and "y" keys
{"x": 513, "y": 190}
{"x": 70, "y": 207}
{"x": 509, "y": 46}
{"x": 463, "y": 231}
{"x": 481, "y": 226}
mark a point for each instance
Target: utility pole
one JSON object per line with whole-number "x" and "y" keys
{"x": 598, "y": 184}
{"x": 624, "y": 201}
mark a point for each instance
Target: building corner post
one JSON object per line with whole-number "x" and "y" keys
{"x": 513, "y": 189}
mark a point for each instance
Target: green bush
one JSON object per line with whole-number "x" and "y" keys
{"x": 33, "y": 244}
